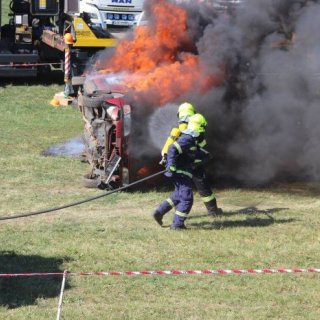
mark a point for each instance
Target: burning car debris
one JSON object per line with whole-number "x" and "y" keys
{"x": 258, "y": 95}
{"x": 107, "y": 126}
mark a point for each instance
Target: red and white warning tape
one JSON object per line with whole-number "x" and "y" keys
{"x": 166, "y": 273}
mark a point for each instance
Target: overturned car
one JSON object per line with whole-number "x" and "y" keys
{"x": 107, "y": 126}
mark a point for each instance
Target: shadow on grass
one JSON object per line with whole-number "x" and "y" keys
{"x": 252, "y": 222}
{"x": 20, "y": 291}
{"x": 244, "y": 211}
{"x": 46, "y": 78}
{"x": 249, "y": 222}
{"x": 255, "y": 210}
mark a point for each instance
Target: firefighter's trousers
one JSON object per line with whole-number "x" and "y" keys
{"x": 181, "y": 199}
{"x": 202, "y": 184}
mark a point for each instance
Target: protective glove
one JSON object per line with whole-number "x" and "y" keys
{"x": 170, "y": 171}
{"x": 163, "y": 161}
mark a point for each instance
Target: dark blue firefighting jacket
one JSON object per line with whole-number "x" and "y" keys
{"x": 183, "y": 153}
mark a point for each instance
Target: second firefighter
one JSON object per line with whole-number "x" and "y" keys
{"x": 200, "y": 179}
{"x": 180, "y": 162}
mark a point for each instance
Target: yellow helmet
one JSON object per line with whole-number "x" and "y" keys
{"x": 186, "y": 109}
{"x": 197, "y": 123}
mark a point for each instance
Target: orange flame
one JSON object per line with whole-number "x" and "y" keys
{"x": 154, "y": 60}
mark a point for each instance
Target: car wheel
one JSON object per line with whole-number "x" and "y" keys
{"x": 92, "y": 102}
{"x": 88, "y": 182}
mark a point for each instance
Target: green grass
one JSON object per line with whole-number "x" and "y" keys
{"x": 4, "y": 11}
{"x": 266, "y": 227}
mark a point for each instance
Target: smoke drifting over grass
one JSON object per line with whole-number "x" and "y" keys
{"x": 263, "y": 114}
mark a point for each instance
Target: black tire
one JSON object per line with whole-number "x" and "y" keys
{"x": 90, "y": 183}
{"x": 93, "y": 102}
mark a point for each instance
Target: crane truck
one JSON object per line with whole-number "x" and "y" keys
{"x": 33, "y": 36}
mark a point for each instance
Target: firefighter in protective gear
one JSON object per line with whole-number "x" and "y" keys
{"x": 198, "y": 123}
{"x": 180, "y": 165}
{"x": 185, "y": 111}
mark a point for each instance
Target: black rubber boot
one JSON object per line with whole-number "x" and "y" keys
{"x": 216, "y": 212}
{"x": 178, "y": 228}
{"x": 158, "y": 217}
{"x": 212, "y": 208}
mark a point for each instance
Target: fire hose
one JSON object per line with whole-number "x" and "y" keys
{"x": 28, "y": 214}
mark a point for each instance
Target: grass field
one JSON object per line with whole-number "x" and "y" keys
{"x": 270, "y": 227}
{"x": 4, "y": 11}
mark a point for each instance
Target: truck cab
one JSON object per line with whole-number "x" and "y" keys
{"x": 114, "y": 15}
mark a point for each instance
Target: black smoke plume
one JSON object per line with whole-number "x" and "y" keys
{"x": 264, "y": 119}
